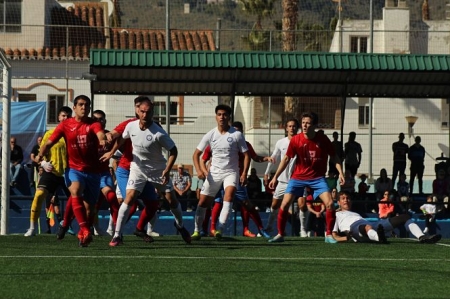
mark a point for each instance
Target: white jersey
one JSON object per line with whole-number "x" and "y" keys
{"x": 278, "y": 153}
{"x": 345, "y": 220}
{"x": 225, "y": 149}
{"x": 429, "y": 208}
{"x": 148, "y": 145}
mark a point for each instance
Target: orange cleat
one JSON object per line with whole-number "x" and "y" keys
{"x": 247, "y": 233}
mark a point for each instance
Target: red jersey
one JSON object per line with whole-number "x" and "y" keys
{"x": 312, "y": 155}
{"x": 207, "y": 155}
{"x": 82, "y": 143}
{"x": 127, "y": 154}
{"x": 316, "y": 205}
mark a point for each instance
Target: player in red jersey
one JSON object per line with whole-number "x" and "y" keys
{"x": 311, "y": 149}
{"x": 83, "y": 136}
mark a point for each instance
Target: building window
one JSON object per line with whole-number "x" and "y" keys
{"x": 54, "y": 103}
{"x": 445, "y": 113}
{"x": 358, "y": 44}
{"x": 27, "y": 97}
{"x": 363, "y": 112}
{"x": 160, "y": 112}
{"x": 10, "y": 15}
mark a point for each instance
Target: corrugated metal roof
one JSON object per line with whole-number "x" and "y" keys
{"x": 270, "y": 73}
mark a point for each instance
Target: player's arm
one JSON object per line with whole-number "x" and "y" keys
{"x": 246, "y": 166}
{"x": 112, "y": 135}
{"x": 119, "y": 141}
{"x": 283, "y": 164}
{"x": 339, "y": 238}
{"x": 200, "y": 168}
{"x": 43, "y": 150}
{"x": 173, "y": 154}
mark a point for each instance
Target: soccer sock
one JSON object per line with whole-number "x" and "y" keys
{"x": 113, "y": 204}
{"x": 245, "y": 218}
{"x": 111, "y": 224}
{"x": 123, "y": 214}
{"x": 132, "y": 210}
{"x": 199, "y": 216}
{"x": 151, "y": 223}
{"x": 36, "y": 205}
{"x": 373, "y": 235}
{"x": 178, "y": 214}
{"x": 217, "y": 208}
{"x": 283, "y": 216}
{"x": 272, "y": 216}
{"x": 330, "y": 219}
{"x": 79, "y": 211}
{"x": 302, "y": 218}
{"x": 413, "y": 228}
{"x": 226, "y": 209}
{"x": 206, "y": 220}
{"x": 147, "y": 214}
{"x": 254, "y": 214}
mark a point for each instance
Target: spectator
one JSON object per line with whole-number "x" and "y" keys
{"x": 386, "y": 207}
{"x": 16, "y": 159}
{"x": 429, "y": 212}
{"x": 400, "y": 150}
{"x": 254, "y": 185}
{"x": 34, "y": 166}
{"x": 440, "y": 188}
{"x": 416, "y": 154}
{"x": 403, "y": 191}
{"x": 383, "y": 183}
{"x": 315, "y": 223}
{"x": 349, "y": 184}
{"x": 182, "y": 182}
{"x": 352, "y": 153}
{"x": 332, "y": 171}
{"x": 363, "y": 187}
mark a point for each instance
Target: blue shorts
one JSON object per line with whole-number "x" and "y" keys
{"x": 106, "y": 180}
{"x": 122, "y": 175}
{"x": 90, "y": 183}
{"x": 241, "y": 194}
{"x": 297, "y": 187}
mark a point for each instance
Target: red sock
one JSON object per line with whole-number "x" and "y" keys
{"x": 133, "y": 209}
{"x": 330, "y": 219}
{"x": 245, "y": 219}
{"x": 254, "y": 214}
{"x": 206, "y": 220}
{"x": 79, "y": 211}
{"x": 215, "y": 213}
{"x": 151, "y": 206}
{"x": 113, "y": 205}
{"x": 283, "y": 216}
{"x": 68, "y": 213}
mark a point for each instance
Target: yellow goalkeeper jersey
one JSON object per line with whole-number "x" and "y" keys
{"x": 57, "y": 154}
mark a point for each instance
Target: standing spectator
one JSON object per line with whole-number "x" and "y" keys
{"x": 333, "y": 174}
{"x": 440, "y": 188}
{"x": 416, "y": 154}
{"x": 311, "y": 150}
{"x": 254, "y": 185}
{"x": 349, "y": 184}
{"x": 34, "y": 166}
{"x": 400, "y": 150}
{"x": 383, "y": 183}
{"x": 182, "y": 182}
{"x": 16, "y": 159}
{"x": 352, "y": 153}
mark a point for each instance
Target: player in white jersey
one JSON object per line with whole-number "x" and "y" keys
{"x": 292, "y": 126}
{"x": 148, "y": 165}
{"x": 226, "y": 142}
{"x": 352, "y": 226}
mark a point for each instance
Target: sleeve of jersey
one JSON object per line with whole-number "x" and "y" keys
{"x": 121, "y": 127}
{"x": 125, "y": 132}
{"x": 96, "y": 127}
{"x": 207, "y": 154}
{"x": 242, "y": 144}
{"x": 166, "y": 141}
{"x": 57, "y": 133}
{"x": 45, "y": 138}
{"x": 204, "y": 142}
{"x": 291, "y": 151}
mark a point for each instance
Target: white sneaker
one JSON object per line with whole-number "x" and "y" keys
{"x": 110, "y": 232}
{"x": 303, "y": 234}
{"x": 309, "y": 234}
{"x": 30, "y": 233}
{"x": 153, "y": 234}
{"x": 425, "y": 230}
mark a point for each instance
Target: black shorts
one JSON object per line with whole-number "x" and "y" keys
{"x": 50, "y": 182}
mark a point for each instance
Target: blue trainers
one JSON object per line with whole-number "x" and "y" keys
{"x": 277, "y": 239}
{"x": 330, "y": 239}
{"x": 264, "y": 234}
{"x": 203, "y": 233}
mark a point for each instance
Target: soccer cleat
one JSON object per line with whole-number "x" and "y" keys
{"x": 381, "y": 234}
{"x": 303, "y": 234}
{"x": 203, "y": 233}
{"x": 143, "y": 234}
{"x": 116, "y": 241}
{"x": 84, "y": 238}
{"x": 430, "y": 239}
{"x": 61, "y": 232}
{"x": 247, "y": 233}
{"x": 330, "y": 240}
{"x": 196, "y": 236}
{"x": 218, "y": 234}
{"x": 211, "y": 232}
{"x": 264, "y": 233}
{"x": 183, "y": 232}
{"x": 153, "y": 234}
{"x": 277, "y": 239}
{"x": 30, "y": 233}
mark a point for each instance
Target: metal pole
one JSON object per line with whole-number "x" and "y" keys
{"x": 218, "y": 27}
{"x": 67, "y": 67}
{"x": 340, "y": 26}
{"x": 371, "y": 101}
{"x": 167, "y": 49}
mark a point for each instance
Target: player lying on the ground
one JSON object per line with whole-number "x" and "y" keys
{"x": 352, "y": 226}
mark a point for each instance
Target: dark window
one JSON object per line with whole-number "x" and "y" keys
{"x": 27, "y": 97}
{"x": 10, "y": 15}
{"x": 363, "y": 116}
{"x": 358, "y": 44}
{"x": 54, "y": 103}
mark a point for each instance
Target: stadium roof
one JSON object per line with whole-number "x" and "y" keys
{"x": 269, "y": 73}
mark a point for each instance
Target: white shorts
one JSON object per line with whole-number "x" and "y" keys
{"x": 214, "y": 181}
{"x": 138, "y": 179}
{"x": 118, "y": 193}
{"x": 280, "y": 190}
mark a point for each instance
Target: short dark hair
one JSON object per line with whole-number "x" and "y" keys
{"x": 226, "y": 108}
{"x": 141, "y": 99}
{"x": 101, "y": 112}
{"x": 297, "y": 123}
{"x": 238, "y": 124}
{"x": 66, "y": 109}
{"x": 314, "y": 117}
{"x": 344, "y": 193}
{"x": 82, "y": 97}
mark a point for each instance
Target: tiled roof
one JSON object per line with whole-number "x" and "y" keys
{"x": 85, "y": 25}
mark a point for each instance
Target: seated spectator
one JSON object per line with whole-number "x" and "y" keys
{"x": 254, "y": 186}
{"x": 383, "y": 184}
{"x": 440, "y": 188}
{"x": 16, "y": 159}
{"x": 429, "y": 212}
{"x": 182, "y": 185}
{"x": 363, "y": 187}
{"x": 386, "y": 207}
{"x": 349, "y": 185}
{"x": 315, "y": 222}
{"x": 403, "y": 192}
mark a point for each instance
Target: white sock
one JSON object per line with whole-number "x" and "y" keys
{"x": 121, "y": 218}
{"x": 178, "y": 214}
{"x": 32, "y": 224}
{"x": 273, "y": 215}
{"x": 413, "y": 229}
{"x": 110, "y": 224}
{"x": 151, "y": 223}
{"x": 199, "y": 216}
{"x": 373, "y": 235}
{"x": 302, "y": 217}
{"x": 226, "y": 209}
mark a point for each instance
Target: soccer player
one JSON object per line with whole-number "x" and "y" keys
{"x": 312, "y": 150}
{"x": 83, "y": 136}
{"x": 148, "y": 165}
{"x": 226, "y": 142}
{"x": 248, "y": 209}
{"x": 351, "y": 226}
{"x": 54, "y": 165}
